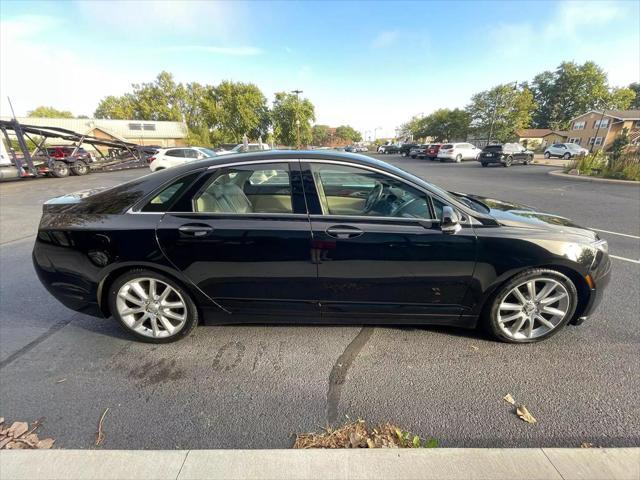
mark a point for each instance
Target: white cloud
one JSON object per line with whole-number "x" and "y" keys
{"x": 385, "y": 39}
{"x": 136, "y": 18}
{"x": 233, "y": 51}
{"x": 35, "y": 72}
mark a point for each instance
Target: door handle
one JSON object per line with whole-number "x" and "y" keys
{"x": 344, "y": 231}
{"x": 195, "y": 230}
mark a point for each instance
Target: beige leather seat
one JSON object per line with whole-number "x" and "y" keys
{"x": 224, "y": 198}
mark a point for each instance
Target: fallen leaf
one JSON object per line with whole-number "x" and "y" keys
{"x": 370, "y": 443}
{"x": 586, "y": 445}
{"x": 473, "y": 347}
{"x": 509, "y": 399}
{"x": 45, "y": 443}
{"x": 524, "y": 414}
{"x": 18, "y": 428}
{"x": 61, "y": 380}
{"x": 31, "y": 438}
{"x": 13, "y": 445}
{"x": 3, "y": 442}
{"x": 1, "y": 420}
{"x": 100, "y": 433}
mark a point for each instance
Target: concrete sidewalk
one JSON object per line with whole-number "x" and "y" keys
{"x": 441, "y": 464}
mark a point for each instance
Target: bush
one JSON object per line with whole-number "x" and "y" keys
{"x": 624, "y": 166}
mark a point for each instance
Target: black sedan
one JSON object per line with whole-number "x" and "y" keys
{"x": 505, "y": 155}
{"x": 303, "y": 237}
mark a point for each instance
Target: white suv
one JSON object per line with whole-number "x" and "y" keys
{"x": 458, "y": 152}
{"x": 564, "y": 150}
{"x": 171, "y": 157}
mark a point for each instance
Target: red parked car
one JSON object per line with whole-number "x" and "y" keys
{"x": 432, "y": 151}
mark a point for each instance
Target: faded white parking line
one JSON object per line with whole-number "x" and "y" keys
{"x": 625, "y": 259}
{"x": 615, "y": 233}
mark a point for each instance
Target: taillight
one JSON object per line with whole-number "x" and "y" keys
{"x": 150, "y": 159}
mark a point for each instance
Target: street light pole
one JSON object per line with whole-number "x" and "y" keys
{"x": 297, "y": 120}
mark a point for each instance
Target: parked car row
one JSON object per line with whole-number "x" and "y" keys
{"x": 356, "y": 149}
{"x": 172, "y": 157}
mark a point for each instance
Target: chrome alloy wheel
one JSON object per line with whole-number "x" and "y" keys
{"x": 533, "y": 308}
{"x": 151, "y": 307}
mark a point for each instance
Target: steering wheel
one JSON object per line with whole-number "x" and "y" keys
{"x": 374, "y": 197}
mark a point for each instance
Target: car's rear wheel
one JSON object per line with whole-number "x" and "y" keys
{"x": 532, "y": 306}
{"x": 152, "y": 307}
{"x": 413, "y": 156}
{"x": 60, "y": 169}
{"x": 484, "y": 164}
{"x": 528, "y": 160}
{"x": 547, "y": 155}
{"x": 508, "y": 161}
{"x": 566, "y": 156}
{"x": 458, "y": 158}
{"x": 80, "y": 168}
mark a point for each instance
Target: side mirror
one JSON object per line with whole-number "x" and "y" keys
{"x": 450, "y": 220}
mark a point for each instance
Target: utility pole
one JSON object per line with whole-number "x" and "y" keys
{"x": 297, "y": 120}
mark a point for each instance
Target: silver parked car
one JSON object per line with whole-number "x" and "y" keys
{"x": 564, "y": 150}
{"x": 458, "y": 152}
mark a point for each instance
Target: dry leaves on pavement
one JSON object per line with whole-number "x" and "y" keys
{"x": 522, "y": 411}
{"x": 359, "y": 435}
{"x": 18, "y": 436}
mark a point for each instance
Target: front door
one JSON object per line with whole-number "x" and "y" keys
{"x": 243, "y": 238}
{"x": 379, "y": 248}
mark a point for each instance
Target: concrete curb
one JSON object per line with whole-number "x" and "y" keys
{"x": 585, "y": 178}
{"x": 441, "y": 464}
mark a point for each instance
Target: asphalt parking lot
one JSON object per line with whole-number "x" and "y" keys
{"x": 254, "y": 386}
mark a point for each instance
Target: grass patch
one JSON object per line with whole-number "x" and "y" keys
{"x": 359, "y": 435}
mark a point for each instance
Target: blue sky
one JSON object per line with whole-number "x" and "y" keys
{"x": 368, "y": 64}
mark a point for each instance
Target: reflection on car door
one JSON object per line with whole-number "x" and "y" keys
{"x": 383, "y": 267}
{"x": 242, "y": 236}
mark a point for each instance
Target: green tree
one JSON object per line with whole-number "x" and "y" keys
{"x": 412, "y": 128}
{"x": 319, "y": 134}
{"x": 635, "y": 104}
{"x": 348, "y": 133}
{"x": 116, "y": 108}
{"x": 501, "y": 111}
{"x": 292, "y": 119}
{"x": 567, "y": 92}
{"x": 621, "y": 98}
{"x": 445, "y": 125}
{"x": 49, "y": 112}
{"x": 240, "y": 108}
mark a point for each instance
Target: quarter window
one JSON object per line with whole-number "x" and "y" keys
{"x": 244, "y": 189}
{"x": 177, "y": 152}
{"x": 351, "y": 191}
{"x": 164, "y": 200}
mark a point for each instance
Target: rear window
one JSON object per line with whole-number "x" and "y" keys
{"x": 493, "y": 148}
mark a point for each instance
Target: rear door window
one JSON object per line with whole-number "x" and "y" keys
{"x": 176, "y": 152}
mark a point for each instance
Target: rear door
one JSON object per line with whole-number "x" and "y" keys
{"x": 242, "y": 235}
{"x": 379, "y": 248}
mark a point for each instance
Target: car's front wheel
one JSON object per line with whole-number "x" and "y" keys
{"x": 532, "y": 306}
{"x": 152, "y": 307}
{"x": 566, "y": 156}
{"x": 547, "y": 155}
{"x": 484, "y": 164}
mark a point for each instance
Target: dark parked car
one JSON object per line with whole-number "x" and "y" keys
{"x": 505, "y": 155}
{"x": 294, "y": 236}
{"x": 406, "y": 148}
{"x": 419, "y": 151}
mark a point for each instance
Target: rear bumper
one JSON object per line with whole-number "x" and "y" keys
{"x": 491, "y": 159}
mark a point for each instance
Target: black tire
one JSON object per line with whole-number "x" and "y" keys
{"x": 489, "y": 318}
{"x": 80, "y": 168}
{"x": 484, "y": 164}
{"x": 566, "y": 156}
{"x": 458, "y": 158}
{"x": 192, "y": 312}
{"x": 508, "y": 162}
{"x": 413, "y": 156}
{"x": 60, "y": 169}
{"x": 547, "y": 155}
{"x": 528, "y": 160}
